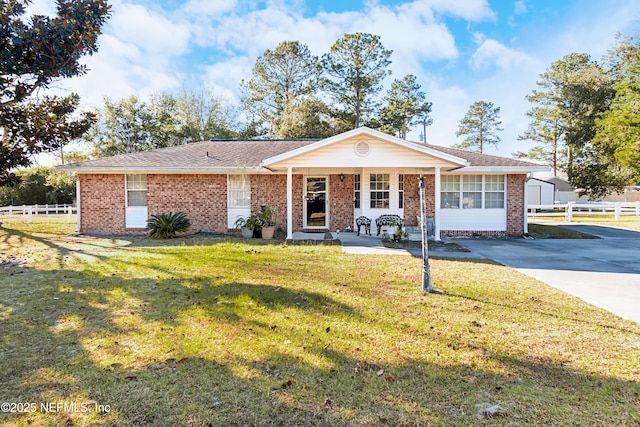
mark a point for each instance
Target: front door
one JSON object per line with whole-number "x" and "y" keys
{"x": 316, "y": 212}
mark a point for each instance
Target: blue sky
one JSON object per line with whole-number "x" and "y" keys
{"x": 461, "y": 51}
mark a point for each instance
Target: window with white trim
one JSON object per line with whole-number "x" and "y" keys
{"x": 450, "y": 191}
{"x": 239, "y": 191}
{"x": 356, "y": 191}
{"x": 136, "y": 189}
{"x": 472, "y": 192}
{"x": 379, "y": 186}
{"x": 494, "y": 192}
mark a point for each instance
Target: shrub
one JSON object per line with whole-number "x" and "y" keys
{"x": 165, "y": 226}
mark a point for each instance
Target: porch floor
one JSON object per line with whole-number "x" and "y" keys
{"x": 372, "y": 245}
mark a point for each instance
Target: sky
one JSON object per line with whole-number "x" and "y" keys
{"x": 461, "y": 51}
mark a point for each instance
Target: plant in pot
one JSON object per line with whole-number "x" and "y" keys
{"x": 244, "y": 225}
{"x": 266, "y": 215}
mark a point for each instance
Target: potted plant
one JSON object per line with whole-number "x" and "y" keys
{"x": 253, "y": 224}
{"x": 244, "y": 226}
{"x": 266, "y": 215}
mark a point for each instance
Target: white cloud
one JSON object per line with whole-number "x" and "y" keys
{"x": 520, "y": 7}
{"x": 492, "y": 52}
{"x": 208, "y": 8}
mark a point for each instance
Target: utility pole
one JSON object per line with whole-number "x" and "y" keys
{"x": 427, "y": 286}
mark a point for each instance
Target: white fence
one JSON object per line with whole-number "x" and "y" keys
{"x": 30, "y": 210}
{"x": 588, "y": 208}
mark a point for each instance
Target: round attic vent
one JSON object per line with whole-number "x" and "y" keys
{"x": 362, "y": 148}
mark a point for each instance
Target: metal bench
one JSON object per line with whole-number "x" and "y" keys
{"x": 389, "y": 220}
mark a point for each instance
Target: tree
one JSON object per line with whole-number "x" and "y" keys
{"x": 480, "y": 126}
{"x": 545, "y": 129}
{"x": 287, "y": 75}
{"x": 126, "y": 126}
{"x": 577, "y": 89}
{"x": 310, "y": 118}
{"x": 404, "y": 104}
{"x": 356, "y": 65}
{"x": 32, "y": 56}
{"x": 39, "y": 185}
{"x": 618, "y": 128}
{"x": 201, "y": 115}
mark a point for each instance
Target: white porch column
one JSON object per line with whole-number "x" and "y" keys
{"x": 78, "y": 202}
{"x": 526, "y": 207}
{"x": 436, "y": 208}
{"x": 289, "y": 203}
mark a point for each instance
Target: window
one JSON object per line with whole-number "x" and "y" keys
{"x": 239, "y": 191}
{"x": 136, "y": 187}
{"x": 400, "y": 191}
{"x": 450, "y": 192}
{"x": 356, "y": 191}
{"x": 379, "y": 186}
{"x": 494, "y": 192}
{"x": 472, "y": 192}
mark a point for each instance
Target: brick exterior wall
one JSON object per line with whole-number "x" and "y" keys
{"x": 272, "y": 190}
{"x": 101, "y": 204}
{"x": 412, "y": 198}
{"x": 340, "y": 202}
{"x": 515, "y": 204}
{"x": 203, "y": 198}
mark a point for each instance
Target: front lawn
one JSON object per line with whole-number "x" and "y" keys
{"x": 210, "y": 330}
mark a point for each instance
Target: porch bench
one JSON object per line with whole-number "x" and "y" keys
{"x": 383, "y": 220}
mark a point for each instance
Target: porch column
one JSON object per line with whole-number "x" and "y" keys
{"x": 436, "y": 208}
{"x": 289, "y": 203}
{"x": 78, "y": 202}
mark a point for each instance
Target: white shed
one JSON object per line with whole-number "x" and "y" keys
{"x": 540, "y": 192}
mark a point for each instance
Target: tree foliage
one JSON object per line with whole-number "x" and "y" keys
{"x": 406, "y": 105}
{"x": 480, "y": 126}
{"x": 33, "y": 54}
{"x": 131, "y": 125}
{"x": 39, "y": 185}
{"x": 572, "y": 93}
{"x": 281, "y": 79}
{"x": 545, "y": 129}
{"x": 618, "y": 128}
{"x": 355, "y": 65}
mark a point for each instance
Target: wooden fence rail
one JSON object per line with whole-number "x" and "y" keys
{"x": 30, "y": 210}
{"x": 616, "y": 209}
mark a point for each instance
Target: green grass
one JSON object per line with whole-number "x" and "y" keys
{"x": 540, "y": 231}
{"x": 208, "y": 330}
{"x": 630, "y": 222}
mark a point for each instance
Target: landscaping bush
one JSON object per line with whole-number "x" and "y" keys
{"x": 165, "y": 226}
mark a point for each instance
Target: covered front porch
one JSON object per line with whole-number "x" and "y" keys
{"x": 321, "y": 199}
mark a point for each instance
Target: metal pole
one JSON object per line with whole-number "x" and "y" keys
{"x": 426, "y": 270}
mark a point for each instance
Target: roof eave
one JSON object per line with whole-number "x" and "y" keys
{"x": 501, "y": 169}
{"x": 156, "y": 169}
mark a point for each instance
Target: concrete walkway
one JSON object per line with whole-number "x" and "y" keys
{"x": 604, "y": 272}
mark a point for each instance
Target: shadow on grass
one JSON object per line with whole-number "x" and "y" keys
{"x": 193, "y": 351}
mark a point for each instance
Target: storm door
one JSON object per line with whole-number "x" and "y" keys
{"x": 316, "y": 212}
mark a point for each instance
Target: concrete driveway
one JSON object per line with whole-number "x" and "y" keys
{"x": 604, "y": 272}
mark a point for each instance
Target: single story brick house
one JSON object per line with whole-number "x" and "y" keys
{"x": 315, "y": 185}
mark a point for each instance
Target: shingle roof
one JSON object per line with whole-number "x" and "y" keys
{"x": 227, "y": 154}
{"x": 481, "y": 159}
{"x": 206, "y": 154}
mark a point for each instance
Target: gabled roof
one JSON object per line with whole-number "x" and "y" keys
{"x": 256, "y": 156}
{"x": 423, "y": 148}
